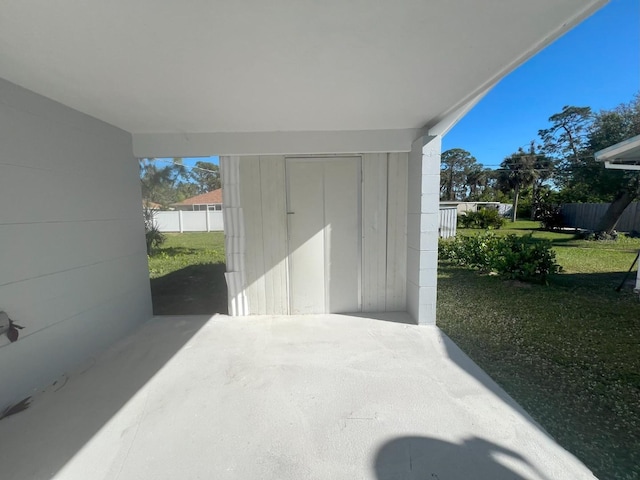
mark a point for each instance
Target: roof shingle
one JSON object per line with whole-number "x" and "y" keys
{"x": 215, "y": 196}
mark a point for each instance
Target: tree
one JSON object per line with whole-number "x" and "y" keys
{"x": 609, "y": 128}
{"x": 574, "y": 137}
{"x": 476, "y": 181}
{"x": 544, "y": 167}
{"x": 159, "y": 183}
{"x": 456, "y": 164}
{"x": 567, "y": 137}
{"x": 518, "y": 171}
{"x": 206, "y": 176}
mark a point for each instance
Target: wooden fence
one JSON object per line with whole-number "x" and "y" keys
{"x": 588, "y": 215}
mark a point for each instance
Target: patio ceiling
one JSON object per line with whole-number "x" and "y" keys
{"x": 277, "y": 66}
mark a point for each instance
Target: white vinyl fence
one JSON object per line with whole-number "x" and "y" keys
{"x": 184, "y": 221}
{"x": 448, "y": 222}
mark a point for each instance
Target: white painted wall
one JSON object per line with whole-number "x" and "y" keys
{"x": 234, "y": 236}
{"x": 262, "y": 201}
{"x": 73, "y": 265}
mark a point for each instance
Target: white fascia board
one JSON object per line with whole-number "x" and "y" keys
{"x": 150, "y": 145}
{"x": 627, "y": 150}
{"x": 621, "y": 166}
{"x": 450, "y": 120}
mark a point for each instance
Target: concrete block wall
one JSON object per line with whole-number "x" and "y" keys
{"x": 422, "y": 229}
{"x": 73, "y": 264}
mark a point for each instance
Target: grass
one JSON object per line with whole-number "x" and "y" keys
{"x": 187, "y": 275}
{"x": 568, "y": 352}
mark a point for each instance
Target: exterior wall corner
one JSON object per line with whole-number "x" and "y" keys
{"x": 422, "y": 229}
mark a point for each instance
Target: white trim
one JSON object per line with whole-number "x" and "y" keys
{"x": 615, "y": 156}
{"x": 449, "y": 121}
{"x": 620, "y": 166}
{"x": 149, "y": 145}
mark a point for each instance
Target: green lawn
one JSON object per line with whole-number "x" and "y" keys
{"x": 187, "y": 274}
{"x": 568, "y": 352}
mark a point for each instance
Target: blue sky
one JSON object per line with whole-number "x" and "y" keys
{"x": 597, "y": 64}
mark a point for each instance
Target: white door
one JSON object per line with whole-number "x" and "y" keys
{"x": 323, "y": 212}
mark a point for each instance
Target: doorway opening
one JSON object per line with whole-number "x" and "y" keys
{"x": 182, "y": 204}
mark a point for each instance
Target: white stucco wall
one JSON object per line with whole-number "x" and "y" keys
{"x": 73, "y": 265}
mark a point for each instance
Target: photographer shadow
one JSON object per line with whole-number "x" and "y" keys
{"x": 429, "y": 458}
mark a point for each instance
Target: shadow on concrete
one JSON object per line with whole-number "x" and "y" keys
{"x": 193, "y": 290}
{"x": 62, "y": 419}
{"x": 393, "y": 317}
{"x": 430, "y": 458}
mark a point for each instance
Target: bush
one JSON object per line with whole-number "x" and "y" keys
{"x": 152, "y": 233}
{"x": 599, "y": 236}
{"x": 550, "y": 216}
{"x": 472, "y": 252}
{"x": 510, "y": 256}
{"x": 487, "y": 218}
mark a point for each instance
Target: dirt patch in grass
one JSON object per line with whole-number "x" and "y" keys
{"x": 187, "y": 275}
{"x": 193, "y": 290}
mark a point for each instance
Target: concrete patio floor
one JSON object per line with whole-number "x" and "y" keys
{"x": 314, "y": 397}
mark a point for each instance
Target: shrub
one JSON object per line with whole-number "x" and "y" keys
{"x": 473, "y": 251}
{"x": 486, "y": 218}
{"x": 152, "y": 233}
{"x": 511, "y": 256}
{"x": 524, "y": 258}
{"x": 599, "y": 236}
{"x": 550, "y": 216}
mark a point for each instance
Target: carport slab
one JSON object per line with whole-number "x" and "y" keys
{"x": 300, "y": 397}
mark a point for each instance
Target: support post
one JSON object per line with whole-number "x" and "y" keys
{"x": 422, "y": 228}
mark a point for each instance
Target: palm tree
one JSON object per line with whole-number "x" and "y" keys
{"x": 518, "y": 171}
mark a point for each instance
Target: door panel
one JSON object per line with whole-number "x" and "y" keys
{"x": 323, "y": 198}
{"x": 342, "y": 232}
{"x": 306, "y": 237}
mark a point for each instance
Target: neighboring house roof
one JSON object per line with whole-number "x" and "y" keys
{"x": 208, "y": 198}
{"x": 622, "y": 156}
